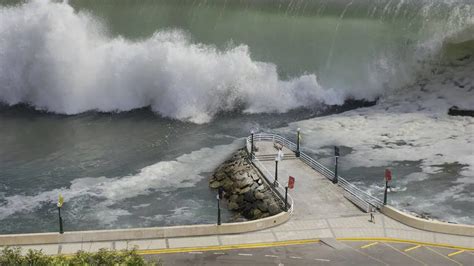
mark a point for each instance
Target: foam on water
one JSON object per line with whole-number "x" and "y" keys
{"x": 184, "y": 171}
{"x": 410, "y": 125}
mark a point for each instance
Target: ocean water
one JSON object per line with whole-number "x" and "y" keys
{"x": 125, "y": 107}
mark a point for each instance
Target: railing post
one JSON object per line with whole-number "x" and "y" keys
{"x": 298, "y": 137}
{"x": 276, "y": 172}
{"x": 336, "y": 154}
{"x": 251, "y": 144}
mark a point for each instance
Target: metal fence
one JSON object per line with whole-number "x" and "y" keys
{"x": 358, "y": 196}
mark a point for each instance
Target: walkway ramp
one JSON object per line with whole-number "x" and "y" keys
{"x": 314, "y": 195}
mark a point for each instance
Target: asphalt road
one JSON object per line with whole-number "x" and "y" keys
{"x": 319, "y": 253}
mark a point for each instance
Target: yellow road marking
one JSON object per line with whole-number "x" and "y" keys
{"x": 367, "y": 255}
{"x": 455, "y": 253}
{"x": 369, "y": 245}
{"x": 398, "y": 240}
{"x": 434, "y": 251}
{"x": 412, "y": 248}
{"x": 228, "y": 247}
{"x": 413, "y": 258}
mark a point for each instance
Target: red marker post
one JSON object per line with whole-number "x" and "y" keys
{"x": 388, "y": 178}
{"x": 291, "y": 185}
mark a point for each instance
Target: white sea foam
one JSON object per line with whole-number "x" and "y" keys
{"x": 58, "y": 60}
{"x": 185, "y": 171}
{"x": 411, "y": 125}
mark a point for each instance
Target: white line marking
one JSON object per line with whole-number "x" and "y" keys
{"x": 245, "y": 254}
{"x": 219, "y": 253}
{"x": 272, "y": 256}
{"x": 322, "y": 260}
{"x": 292, "y": 257}
{"x": 195, "y": 252}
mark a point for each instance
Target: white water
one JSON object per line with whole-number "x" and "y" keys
{"x": 61, "y": 61}
{"x": 410, "y": 125}
{"x": 165, "y": 176}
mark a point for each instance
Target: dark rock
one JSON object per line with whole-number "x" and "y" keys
{"x": 261, "y": 205}
{"x": 227, "y": 185}
{"x": 256, "y": 214}
{"x": 233, "y": 206}
{"x": 219, "y": 175}
{"x": 234, "y": 197}
{"x": 249, "y": 197}
{"x": 244, "y": 190}
{"x": 273, "y": 208}
{"x": 240, "y": 200}
{"x": 456, "y": 111}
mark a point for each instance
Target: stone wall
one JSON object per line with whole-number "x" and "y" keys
{"x": 246, "y": 192}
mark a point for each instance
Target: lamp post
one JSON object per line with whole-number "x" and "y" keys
{"x": 60, "y": 204}
{"x": 220, "y": 194}
{"x": 388, "y": 178}
{"x": 218, "y": 210}
{"x": 336, "y": 155}
{"x": 298, "y": 137}
{"x": 278, "y": 158}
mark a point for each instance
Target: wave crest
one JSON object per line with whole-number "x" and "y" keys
{"x": 61, "y": 61}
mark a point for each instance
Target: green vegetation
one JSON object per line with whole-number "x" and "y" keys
{"x": 13, "y": 256}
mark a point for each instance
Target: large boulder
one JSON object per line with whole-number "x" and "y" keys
{"x": 247, "y": 181}
{"x": 273, "y": 208}
{"x": 233, "y": 206}
{"x": 220, "y": 175}
{"x": 215, "y": 184}
{"x": 249, "y": 197}
{"x": 263, "y": 206}
{"x": 227, "y": 184}
{"x": 259, "y": 195}
{"x": 256, "y": 213}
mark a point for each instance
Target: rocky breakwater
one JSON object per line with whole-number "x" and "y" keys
{"x": 245, "y": 190}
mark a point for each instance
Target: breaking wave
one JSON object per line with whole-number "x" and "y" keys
{"x": 61, "y": 61}
{"x": 64, "y": 61}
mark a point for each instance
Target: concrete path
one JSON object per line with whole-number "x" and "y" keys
{"x": 321, "y": 212}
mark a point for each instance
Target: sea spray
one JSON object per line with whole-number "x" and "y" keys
{"x": 61, "y": 61}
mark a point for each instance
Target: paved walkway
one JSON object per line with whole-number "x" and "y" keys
{"x": 321, "y": 212}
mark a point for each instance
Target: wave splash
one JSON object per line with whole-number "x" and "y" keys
{"x": 61, "y": 61}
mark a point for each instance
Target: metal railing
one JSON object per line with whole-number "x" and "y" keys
{"x": 362, "y": 197}
{"x": 275, "y": 186}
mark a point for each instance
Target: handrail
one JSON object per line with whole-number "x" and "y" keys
{"x": 272, "y": 182}
{"x": 329, "y": 174}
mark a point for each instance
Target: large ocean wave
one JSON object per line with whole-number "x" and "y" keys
{"x": 60, "y": 60}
